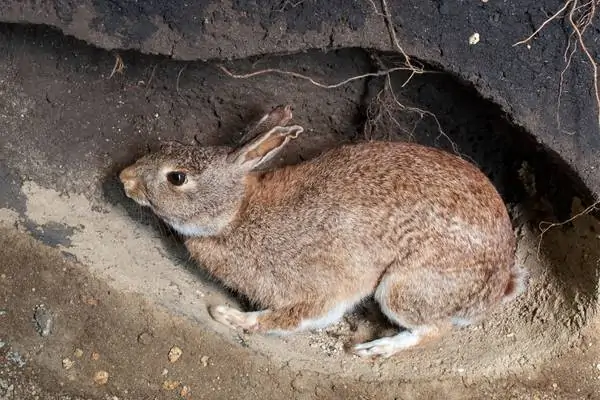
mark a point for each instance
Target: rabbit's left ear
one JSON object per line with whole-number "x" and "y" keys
{"x": 264, "y": 147}
{"x": 278, "y": 116}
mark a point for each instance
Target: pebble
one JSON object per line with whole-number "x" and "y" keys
{"x": 95, "y": 356}
{"x": 170, "y": 384}
{"x": 164, "y": 372}
{"x": 301, "y": 383}
{"x": 185, "y": 391}
{"x": 67, "y": 363}
{"x": 101, "y": 378}
{"x": 16, "y": 359}
{"x": 43, "y": 320}
{"x": 474, "y": 38}
{"x": 89, "y": 300}
{"x": 174, "y": 354}
{"x": 204, "y": 360}
{"x": 78, "y": 353}
{"x": 145, "y": 338}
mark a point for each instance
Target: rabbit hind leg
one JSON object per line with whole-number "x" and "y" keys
{"x": 427, "y": 302}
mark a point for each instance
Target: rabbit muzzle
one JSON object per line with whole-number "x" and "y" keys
{"x": 132, "y": 186}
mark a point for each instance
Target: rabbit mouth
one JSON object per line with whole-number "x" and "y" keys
{"x": 138, "y": 196}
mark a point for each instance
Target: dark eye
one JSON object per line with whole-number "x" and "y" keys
{"x": 176, "y": 178}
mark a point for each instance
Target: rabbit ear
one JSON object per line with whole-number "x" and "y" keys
{"x": 265, "y": 146}
{"x": 278, "y": 116}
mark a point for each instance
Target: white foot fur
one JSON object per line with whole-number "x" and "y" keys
{"x": 234, "y": 318}
{"x": 388, "y": 346}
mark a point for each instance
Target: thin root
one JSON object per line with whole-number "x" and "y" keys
{"x": 545, "y": 226}
{"x": 546, "y": 22}
{"x": 150, "y": 79}
{"x": 395, "y": 42}
{"x": 308, "y": 78}
{"x": 579, "y": 17}
{"x": 118, "y": 67}
{"x": 422, "y": 113}
{"x": 579, "y": 33}
{"x": 179, "y": 76}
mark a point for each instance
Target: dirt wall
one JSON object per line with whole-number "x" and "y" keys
{"x": 523, "y": 80}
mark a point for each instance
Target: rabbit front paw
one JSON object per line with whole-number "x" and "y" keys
{"x": 234, "y": 318}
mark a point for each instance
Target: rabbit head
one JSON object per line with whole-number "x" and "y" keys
{"x": 197, "y": 190}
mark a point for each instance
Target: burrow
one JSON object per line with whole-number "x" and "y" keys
{"x": 69, "y": 126}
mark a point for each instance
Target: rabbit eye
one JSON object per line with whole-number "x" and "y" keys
{"x": 176, "y": 178}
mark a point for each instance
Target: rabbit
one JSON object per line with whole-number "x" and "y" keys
{"x": 420, "y": 230}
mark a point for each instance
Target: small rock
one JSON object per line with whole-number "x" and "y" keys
{"x": 42, "y": 317}
{"x": 185, "y": 391}
{"x": 170, "y": 384}
{"x": 16, "y": 359}
{"x": 474, "y": 39}
{"x": 204, "y": 360}
{"x": 78, "y": 353}
{"x": 95, "y": 356}
{"x": 67, "y": 363}
{"x": 89, "y": 300}
{"x": 174, "y": 354}
{"x": 101, "y": 378}
{"x": 301, "y": 384}
{"x": 3, "y": 313}
{"x": 145, "y": 338}
{"x": 2, "y": 344}
{"x": 164, "y": 372}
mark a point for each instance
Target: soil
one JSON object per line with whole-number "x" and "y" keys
{"x": 84, "y": 271}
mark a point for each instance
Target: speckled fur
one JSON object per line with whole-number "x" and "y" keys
{"x": 422, "y": 230}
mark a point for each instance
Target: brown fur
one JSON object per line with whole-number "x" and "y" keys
{"x": 423, "y": 230}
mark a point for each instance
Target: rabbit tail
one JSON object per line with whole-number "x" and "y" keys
{"x": 516, "y": 284}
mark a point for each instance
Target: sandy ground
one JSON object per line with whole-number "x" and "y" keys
{"x": 97, "y": 328}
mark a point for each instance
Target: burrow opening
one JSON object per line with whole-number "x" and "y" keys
{"x": 105, "y": 123}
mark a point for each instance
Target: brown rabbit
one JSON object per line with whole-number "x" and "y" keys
{"x": 421, "y": 230}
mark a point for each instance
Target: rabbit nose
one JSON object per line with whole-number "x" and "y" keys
{"x": 128, "y": 178}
